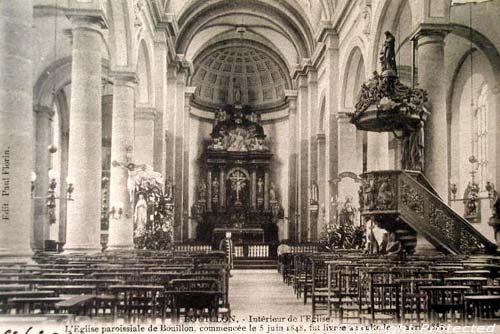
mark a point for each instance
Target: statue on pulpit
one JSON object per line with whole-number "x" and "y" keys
{"x": 388, "y": 54}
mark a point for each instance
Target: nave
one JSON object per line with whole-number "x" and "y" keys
{"x": 344, "y": 286}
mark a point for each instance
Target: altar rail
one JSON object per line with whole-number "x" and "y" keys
{"x": 193, "y": 248}
{"x": 253, "y": 250}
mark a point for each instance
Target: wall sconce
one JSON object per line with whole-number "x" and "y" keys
{"x": 33, "y": 179}
{"x": 471, "y": 196}
{"x": 51, "y": 197}
{"x": 70, "y": 188}
{"x": 116, "y": 211}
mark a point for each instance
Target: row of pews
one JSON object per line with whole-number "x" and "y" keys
{"x": 112, "y": 286}
{"x": 352, "y": 287}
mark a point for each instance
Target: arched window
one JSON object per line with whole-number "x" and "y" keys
{"x": 481, "y": 134}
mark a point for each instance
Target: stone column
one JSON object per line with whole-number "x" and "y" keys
{"x": 254, "y": 188}
{"x": 348, "y": 147}
{"x": 323, "y": 201}
{"x": 222, "y": 191}
{"x": 291, "y": 97}
{"x": 332, "y": 74}
{"x": 431, "y": 77}
{"x": 303, "y": 157}
{"x": 168, "y": 122}
{"x": 41, "y": 224}
{"x": 144, "y": 135}
{"x": 16, "y": 129}
{"x": 160, "y": 79}
{"x": 121, "y": 228}
{"x": 84, "y": 168}
{"x": 266, "y": 190}
{"x": 312, "y": 83}
{"x": 63, "y": 205}
{"x": 178, "y": 128}
{"x": 189, "y": 233}
{"x": 209, "y": 192}
{"x": 377, "y": 151}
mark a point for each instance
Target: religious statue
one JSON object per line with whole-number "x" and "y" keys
{"x": 202, "y": 190}
{"x": 237, "y": 95}
{"x": 238, "y": 180}
{"x": 412, "y": 147}
{"x": 388, "y": 54}
{"x": 217, "y": 144}
{"x": 385, "y": 195}
{"x": 496, "y": 207}
{"x": 169, "y": 190}
{"x": 347, "y": 213}
{"x": 133, "y": 170}
{"x": 314, "y": 193}
{"x": 272, "y": 192}
{"x": 140, "y": 215}
{"x": 215, "y": 191}
{"x": 237, "y": 141}
{"x": 260, "y": 187}
{"x": 369, "y": 194}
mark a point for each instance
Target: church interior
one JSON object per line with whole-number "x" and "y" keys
{"x": 168, "y": 159}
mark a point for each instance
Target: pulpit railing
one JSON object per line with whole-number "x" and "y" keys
{"x": 395, "y": 197}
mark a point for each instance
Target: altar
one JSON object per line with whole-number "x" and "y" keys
{"x": 235, "y": 192}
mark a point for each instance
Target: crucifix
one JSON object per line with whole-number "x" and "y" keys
{"x": 237, "y": 183}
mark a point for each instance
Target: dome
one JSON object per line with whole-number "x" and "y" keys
{"x": 260, "y": 79}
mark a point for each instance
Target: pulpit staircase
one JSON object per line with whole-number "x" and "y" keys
{"x": 404, "y": 202}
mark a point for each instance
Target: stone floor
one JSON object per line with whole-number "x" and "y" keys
{"x": 263, "y": 293}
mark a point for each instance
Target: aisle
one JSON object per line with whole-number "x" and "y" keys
{"x": 263, "y": 293}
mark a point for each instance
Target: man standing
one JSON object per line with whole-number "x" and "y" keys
{"x": 226, "y": 245}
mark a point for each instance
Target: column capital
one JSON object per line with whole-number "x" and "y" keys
{"x": 43, "y": 111}
{"x": 123, "y": 78}
{"x": 433, "y": 33}
{"x": 84, "y": 21}
{"x": 291, "y": 95}
{"x": 90, "y": 11}
{"x": 189, "y": 91}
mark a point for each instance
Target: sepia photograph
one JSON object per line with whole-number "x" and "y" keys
{"x": 249, "y": 166}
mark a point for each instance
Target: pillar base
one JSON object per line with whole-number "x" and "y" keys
{"x": 9, "y": 257}
{"x": 119, "y": 247}
{"x": 81, "y": 249}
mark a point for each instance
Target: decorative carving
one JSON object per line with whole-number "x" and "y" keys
{"x": 378, "y": 192}
{"x": 412, "y": 199}
{"x": 468, "y": 243}
{"x": 394, "y": 105}
{"x": 441, "y": 221}
{"x": 237, "y": 130}
{"x": 153, "y": 218}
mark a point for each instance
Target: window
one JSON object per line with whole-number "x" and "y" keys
{"x": 481, "y": 135}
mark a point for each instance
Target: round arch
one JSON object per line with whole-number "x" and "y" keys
{"x": 196, "y": 15}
